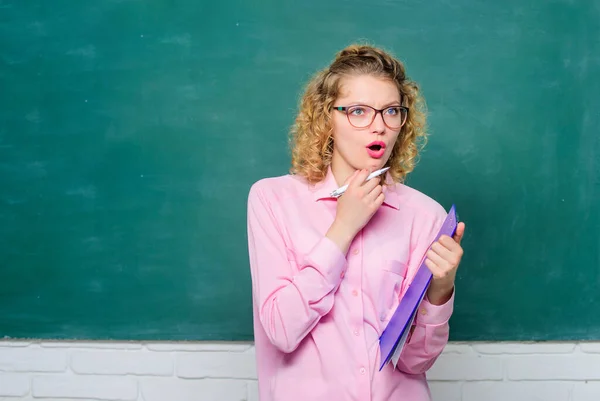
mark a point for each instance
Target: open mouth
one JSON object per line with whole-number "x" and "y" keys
{"x": 376, "y": 149}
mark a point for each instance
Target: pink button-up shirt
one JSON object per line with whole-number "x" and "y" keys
{"x": 318, "y": 313}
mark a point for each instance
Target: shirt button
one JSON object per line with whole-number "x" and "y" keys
{"x": 356, "y": 333}
{"x": 355, "y": 293}
{"x": 363, "y": 371}
{"x": 356, "y": 251}
{"x": 423, "y": 311}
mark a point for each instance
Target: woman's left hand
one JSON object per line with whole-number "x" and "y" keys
{"x": 443, "y": 259}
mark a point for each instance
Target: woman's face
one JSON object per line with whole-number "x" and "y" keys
{"x": 361, "y": 138}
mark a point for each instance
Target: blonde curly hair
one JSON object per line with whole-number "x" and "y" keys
{"x": 311, "y": 135}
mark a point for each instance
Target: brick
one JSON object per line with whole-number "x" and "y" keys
{"x": 446, "y": 391}
{"x": 32, "y": 359}
{"x": 251, "y": 351}
{"x": 466, "y": 367}
{"x": 30, "y": 398}
{"x": 27, "y": 398}
{"x": 593, "y": 348}
{"x": 163, "y": 389}
{"x": 524, "y": 348}
{"x": 14, "y": 344}
{"x": 95, "y": 387}
{"x": 122, "y": 363}
{"x": 456, "y": 348}
{"x": 199, "y": 347}
{"x": 91, "y": 344}
{"x": 516, "y": 391}
{"x": 586, "y": 391}
{"x": 216, "y": 365}
{"x": 14, "y": 385}
{"x": 577, "y": 366}
{"x": 252, "y": 390}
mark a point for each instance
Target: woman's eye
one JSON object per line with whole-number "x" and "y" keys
{"x": 357, "y": 111}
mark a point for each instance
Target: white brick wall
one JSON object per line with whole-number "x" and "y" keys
{"x": 94, "y": 371}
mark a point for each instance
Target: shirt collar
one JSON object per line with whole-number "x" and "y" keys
{"x": 322, "y": 189}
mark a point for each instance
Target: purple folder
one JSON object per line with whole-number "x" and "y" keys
{"x": 396, "y": 331}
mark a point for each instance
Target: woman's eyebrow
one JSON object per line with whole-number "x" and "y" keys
{"x": 386, "y": 105}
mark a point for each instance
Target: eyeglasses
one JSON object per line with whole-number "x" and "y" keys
{"x": 361, "y": 116}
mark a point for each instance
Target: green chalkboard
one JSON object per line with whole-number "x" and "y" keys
{"x": 131, "y": 131}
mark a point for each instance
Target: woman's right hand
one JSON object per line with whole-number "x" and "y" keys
{"x": 355, "y": 208}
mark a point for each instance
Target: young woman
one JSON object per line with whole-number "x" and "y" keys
{"x": 328, "y": 273}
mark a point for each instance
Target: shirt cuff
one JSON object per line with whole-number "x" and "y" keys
{"x": 329, "y": 260}
{"x": 435, "y": 315}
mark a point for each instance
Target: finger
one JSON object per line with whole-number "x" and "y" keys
{"x": 450, "y": 244}
{"x": 372, "y": 183}
{"x": 460, "y": 231}
{"x": 452, "y": 256}
{"x": 380, "y": 199}
{"x": 359, "y": 178}
{"x": 375, "y": 192}
{"x": 443, "y": 246}
{"x": 439, "y": 260}
{"x": 436, "y": 270}
{"x": 433, "y": 268}
{"x": 349, "y": 179}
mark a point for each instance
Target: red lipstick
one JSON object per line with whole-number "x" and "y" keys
{"x": 376, "y": 149}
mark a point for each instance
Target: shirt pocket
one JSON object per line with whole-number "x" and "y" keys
{"x": 392, "y": 279}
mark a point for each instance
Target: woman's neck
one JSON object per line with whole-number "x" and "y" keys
{"x": 341, "y": 171}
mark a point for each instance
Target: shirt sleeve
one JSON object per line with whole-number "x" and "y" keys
{"x": 430, "y": 330}
{"x": 289, "y": 301}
